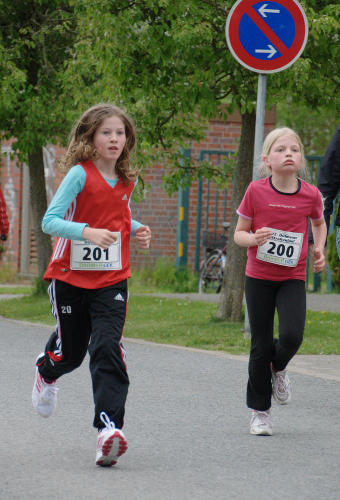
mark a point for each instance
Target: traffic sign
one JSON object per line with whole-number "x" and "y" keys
{"x": 266, "y": 36}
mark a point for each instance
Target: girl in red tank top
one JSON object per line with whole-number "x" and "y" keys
{"x": 88, "y": 273}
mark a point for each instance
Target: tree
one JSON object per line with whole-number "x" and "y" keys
{"x": 316, "y": 126}
{"x": 37, "y": 37}
{"x": 167, "y": 62}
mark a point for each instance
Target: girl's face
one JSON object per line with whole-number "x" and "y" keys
{"x": 109, "y": 139}
{"x": 284, "y": 156}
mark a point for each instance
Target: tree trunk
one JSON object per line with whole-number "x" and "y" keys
{"x": 39, "y": 206}
{"x": 231, "y": 298}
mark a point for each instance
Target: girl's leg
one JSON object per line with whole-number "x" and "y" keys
{"x": 260, "y": 297}
{"x": 67, "y": 346}
{"x": 110, "y": 380}
{"x": 291, "y": 307}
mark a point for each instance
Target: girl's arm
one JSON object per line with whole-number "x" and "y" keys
{"x": 244, "y": 238}
{"x": 53, "y": 222}
{"x": 142, "y": 233}
{"x": 319, "y": 230}
{"x": 134, "y": 226}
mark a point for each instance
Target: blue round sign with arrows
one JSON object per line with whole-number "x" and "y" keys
{"x": 266, "y": 36}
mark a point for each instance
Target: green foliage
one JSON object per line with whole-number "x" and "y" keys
{"x": 12, "y": 79}
{"x": 169, "y": 65}
{"x": 333, "y": 261}
{"x": 40, "y": 287}
{"x": 166, "y": 62}
{"x": 37, "y": 37}
{"x": 8, "y": 273}
{"x": 164, "y": 276}
{"x": 315, "y": 126}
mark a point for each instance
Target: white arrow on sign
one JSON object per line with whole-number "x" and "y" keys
{"x": 270, "y": 52}
{"x": 263, "y": 11}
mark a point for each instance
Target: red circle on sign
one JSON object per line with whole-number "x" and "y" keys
{"x": 289, "y": 55}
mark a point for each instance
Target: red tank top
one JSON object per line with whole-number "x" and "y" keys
{"x": 100, "y": 206}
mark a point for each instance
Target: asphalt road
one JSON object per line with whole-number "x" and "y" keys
{"x": 187, "y": 427}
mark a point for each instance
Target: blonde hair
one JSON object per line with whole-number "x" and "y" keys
{"x": 272, "y": 137}
{"x": 81, "y": 146}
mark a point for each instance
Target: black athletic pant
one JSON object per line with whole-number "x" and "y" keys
{"x": 93, "y": 320}
{"x": 263, "y": 297}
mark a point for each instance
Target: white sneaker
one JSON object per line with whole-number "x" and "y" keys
{"x": 281, "y": 387}
{"x": 261, "y": 423}
{"x": 44, "y": 395}
{"x": 111, "y": 443}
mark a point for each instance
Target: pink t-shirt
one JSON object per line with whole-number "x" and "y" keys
{"x": 265, "y": 206}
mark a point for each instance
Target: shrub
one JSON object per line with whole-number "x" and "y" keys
{"x": 333, "y": 260}
{"x": 165, "y": 276}
{"x": 40, "y": 287}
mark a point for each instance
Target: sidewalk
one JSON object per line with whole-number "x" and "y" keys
{"x": 329, "y": 302}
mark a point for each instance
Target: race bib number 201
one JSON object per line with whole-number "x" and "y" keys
{"x": 85, "y": 256}
{"x": 283, "y": 248}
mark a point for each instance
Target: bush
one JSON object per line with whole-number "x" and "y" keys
{"x": 40, "y": 287}
{"x": 9, "y": 274}
{"x": 333, "y": 261}
{"x": 165, "y": 276}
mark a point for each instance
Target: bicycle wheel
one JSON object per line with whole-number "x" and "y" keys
{"x": 212, "y": 274}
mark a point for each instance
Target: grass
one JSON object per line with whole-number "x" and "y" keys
{"x": 15, "y": 290}
{"x": 182, "y": 322}
{"x": 185, "y": 323}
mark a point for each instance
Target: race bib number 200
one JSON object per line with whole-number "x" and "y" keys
{"x": 283, "y": 248}
{"x": 85, "y": 256}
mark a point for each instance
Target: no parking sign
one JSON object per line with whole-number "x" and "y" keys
{"x": 266, "y": 36}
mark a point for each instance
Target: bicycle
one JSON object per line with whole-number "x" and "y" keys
{"x": 212, "y": 267}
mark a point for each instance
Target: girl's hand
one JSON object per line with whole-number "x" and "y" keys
{"x": 143, "y": 236}
{"x": 262, "y": 235}
{"x": 319, "y": 260}
{"x": 101, "y": 237}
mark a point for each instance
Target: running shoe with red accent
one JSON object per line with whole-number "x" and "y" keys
{"x": 44, "y": 395}
{"x": 111, "y": 443}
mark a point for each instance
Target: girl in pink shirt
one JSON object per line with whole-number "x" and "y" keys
{"x": 273, "y": 225}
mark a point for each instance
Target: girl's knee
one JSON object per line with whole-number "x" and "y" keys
{"x": 261, "y": 352}
{"x": 291, "y": 340}
{"x": 104, "y": 347}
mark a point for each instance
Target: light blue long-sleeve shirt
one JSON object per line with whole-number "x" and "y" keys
{"x": 53, "y": 221}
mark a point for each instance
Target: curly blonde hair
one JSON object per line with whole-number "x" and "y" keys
{"x": 273, "y": 136}
{"x": 81, "y": 146}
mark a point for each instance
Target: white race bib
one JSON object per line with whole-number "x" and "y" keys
{"x": 283, "y": 248}
{"x": 86, "y": 256}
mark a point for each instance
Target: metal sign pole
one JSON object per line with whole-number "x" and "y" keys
{"x": 259, "y": 132}
{"x": 259, "y": 124}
